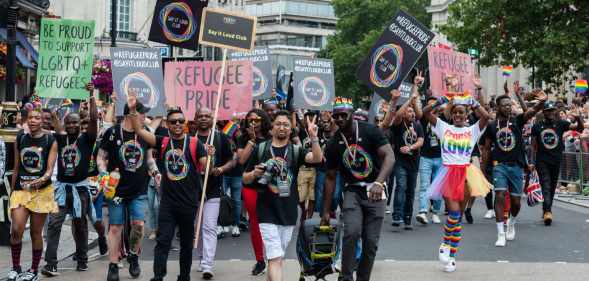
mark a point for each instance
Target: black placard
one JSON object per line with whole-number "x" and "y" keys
{"x": 177, "y": 22}
{"x": 395, "y": 53}
{"x": 229, "y": 30}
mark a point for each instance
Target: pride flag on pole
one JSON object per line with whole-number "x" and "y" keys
{"x": 581, "y": 86}
{"x": 507, "y": 70}
{"x": 230, "y": 128}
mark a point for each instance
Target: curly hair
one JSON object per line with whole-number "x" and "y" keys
{"x": 266, "y": 123}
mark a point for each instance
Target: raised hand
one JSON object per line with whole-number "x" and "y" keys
{"x": 312, "y": 127}
{"x": 540, "y": 95}
{"x": 395, "y": 94}
{"x": 477, "y": 82}
{"x": 132, "y": 100}
{"x": 516, "y": 88}
{"x": 418, "y": 80}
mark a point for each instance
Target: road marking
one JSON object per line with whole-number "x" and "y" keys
{"x": 560, "y": 262}
{"x": 586, "y": 220}
{"x": 502, "y": 261}
{"x": 234, "y": 260}
{"x": 389, "y": 260}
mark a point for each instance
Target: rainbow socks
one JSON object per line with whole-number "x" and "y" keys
{"x": 453, "y": 232}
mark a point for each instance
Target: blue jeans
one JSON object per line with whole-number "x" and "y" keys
{"x": 319, "y": 187}
{"x": 232, "y": 185}
{"x": 153, "y": 206}
{"x": 428, "y": 169}
{"x": 406, "y": 180}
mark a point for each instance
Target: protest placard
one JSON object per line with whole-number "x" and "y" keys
{"x": 444, "y": 62}
{"x": 230, "y": 30}
{"x": 140, "y": 71}
{"x": 378, "y": 106}
{"x": 395, "y": 53}
{"x": 313, "y": 84}
{"x": 261, "y": 69}
{"x": 65, "y": 58}
{"x": 176, "y": 22}
{"x": 192, "y": 84}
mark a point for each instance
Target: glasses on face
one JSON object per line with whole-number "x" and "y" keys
{"x": 343, "y": 116}
{"x": 256, "y": 119}
{"x": 176, "y": 121}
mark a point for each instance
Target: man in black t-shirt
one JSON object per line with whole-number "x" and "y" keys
{"x": 72, "y": 188}
{"x": 272, "y": 168}
{"x": 505, "y": 136}
{"x": 364, "y": 157}
{"x": 548, "y": 147}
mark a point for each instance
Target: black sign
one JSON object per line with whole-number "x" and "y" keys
{"x": 176, "y": 22}
{"x": 229, "y": 30}
{"x": 394, "y": 54}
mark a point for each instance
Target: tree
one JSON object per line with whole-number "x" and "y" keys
{"x": 549, "y": 35}
{"x": 360, "y": 23}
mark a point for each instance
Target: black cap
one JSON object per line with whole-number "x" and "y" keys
{"x": 140, "y": 108}
{"x": 549, "y": 106}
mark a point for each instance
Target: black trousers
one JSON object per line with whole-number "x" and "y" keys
{"x": 169, "y": 218}
{"x": 548, "y": 174}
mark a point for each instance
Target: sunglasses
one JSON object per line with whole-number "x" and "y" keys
{"x": 254, "y": 119}
{"x": 177, "y": 121}
{"x": 343, "y": 116}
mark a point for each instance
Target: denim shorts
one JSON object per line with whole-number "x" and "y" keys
{"x": 98, "y": 202}
{"x": 136, "y": 208}
{"x": 509, "y": 176}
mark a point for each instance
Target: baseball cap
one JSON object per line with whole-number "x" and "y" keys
{"x": 549, "y": 106}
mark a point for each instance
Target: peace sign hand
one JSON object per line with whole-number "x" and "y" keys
{"x": 418, "y": 80}
{"x": 312, "y": 127}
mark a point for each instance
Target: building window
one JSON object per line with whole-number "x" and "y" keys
{"x": 124, "y": 17}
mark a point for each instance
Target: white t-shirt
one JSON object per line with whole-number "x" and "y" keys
{"x": 457, "y": 143}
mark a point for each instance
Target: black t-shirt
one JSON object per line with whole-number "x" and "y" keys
{"x": 92, "y": 166}
{"x": 431, "y": 143}
{"x": 237, "y": 170}
{"x": 127, "y": 152}
{"x": 549, "y": 139}
{"x": 271, "y": 208}
{"x": 359, "y": 162}
{"x": 74, "y": 155}
{"x": 34, "y": 154}
{"x": 406, "y": 135}
{"x": 181, "y": 182}
{"x": 507, "y": 140}
{"x": 223, "y": 155}
{"x": 307, "y": 144}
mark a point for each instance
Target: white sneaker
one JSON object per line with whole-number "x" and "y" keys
{"x": 200, "y": 269}
{"x": 501, "y": 240}
{"x": 450, "y": 266}
{"x": 436, "y": 219}
{"x": 510, "y": 234}
{"x": 444, "y": 253}
{"x": 338, "y": 264}
{"x": 387, "y": 211}
{"x": 489, "y": 214}
{"x": 421, "y": 218}
{"x": 235, "y": 231}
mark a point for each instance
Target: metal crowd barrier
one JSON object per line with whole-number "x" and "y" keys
{"x": 574, "y": 174}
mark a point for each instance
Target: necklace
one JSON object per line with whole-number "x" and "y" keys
{"x": 172, "y": 146}
{"x": 348, "y": 145}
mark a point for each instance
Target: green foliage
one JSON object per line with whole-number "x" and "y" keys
{"x": 549, "y": 35}
{"x": 360, "y": 23}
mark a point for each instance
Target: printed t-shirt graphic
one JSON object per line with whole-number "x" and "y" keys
{"x": 457, "y": 143}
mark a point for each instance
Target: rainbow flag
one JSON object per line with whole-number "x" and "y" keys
{"x": 230, "y": 128}
{"x": 507, "y": 70}
{"x": 459, "y": 98}
{"x": 581, "y": 86}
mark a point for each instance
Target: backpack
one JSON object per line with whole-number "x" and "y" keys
{"x": 294, "y": 151}
{"x": 192, "y": 147}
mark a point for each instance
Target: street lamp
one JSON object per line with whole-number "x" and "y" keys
{"x": 113, "y": 23}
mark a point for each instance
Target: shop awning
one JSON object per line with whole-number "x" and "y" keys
{"x": 22, "y": 49}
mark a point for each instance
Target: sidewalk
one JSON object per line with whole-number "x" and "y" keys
{"x": 575, "y": 199}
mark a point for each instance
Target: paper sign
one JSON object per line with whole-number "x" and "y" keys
{"x": 177, "y": 22}
{"x": 65, "y": 65}
{"x": 313, "y": 84}
{"x": 194, "y": 84}
{"x": 444, "y": 62}
{"x": 261, "y": 69}
{"x": 138, "y": 70}
{"x": 394, "y": 54}
{"x": 229, "y": 30}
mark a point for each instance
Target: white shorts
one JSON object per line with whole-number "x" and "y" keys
{"x": 276, "y": 239}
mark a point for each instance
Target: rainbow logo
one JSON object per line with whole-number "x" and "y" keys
{"x": 148, "y": 90}
{"x": 390, "y": 68}
{"x": 581, "y": 86}
{"x": 457, "y": 143}
{"x": 314, "y": 91}
{"x": 459, "y": 98}
{"x": 358, "y": 161}
{"x": 260, "y": 82}
{"x": 507, "y": 70}
{"x": 177, "y": 23}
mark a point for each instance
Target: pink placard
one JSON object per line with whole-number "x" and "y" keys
{"x": 192, "y": 84}
{"x": 443, "y": 62}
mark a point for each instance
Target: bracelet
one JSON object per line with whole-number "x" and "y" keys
{"x": 379, "y": 184}
{"x": 251, "y": 142}
{"x": 315, "y": 140}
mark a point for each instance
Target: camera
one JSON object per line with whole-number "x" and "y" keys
{"x": 269, "y": 170}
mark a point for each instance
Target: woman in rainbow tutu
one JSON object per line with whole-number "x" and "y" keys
{"x": 457, "y": 180}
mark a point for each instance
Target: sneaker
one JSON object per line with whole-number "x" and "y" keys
{"x": 450, "y": 266}
{"x": 82, "y": 266}
{"x": 113, "y": 272}
{"x": 510, "y": 233}
{"x": 396, "y": 226}
{"x": 338, "y": 264}
{"x": 547, "y": 218}
{"x": 421, "y": 218}
{"x": 468, "y": 216}
{"x": 489, "y": 214}
{"x": 387, "y": 211}
{"x": 120, "y": 265}
{"x": 29, "y": 276}
{"x": 207, "y": 275}
{"x": 408, "y": 226}
{"x": 444, "y": 253}
{"x": 501, "y": 240}
{"x": 134, "y": 269}
{"x": 49, "y": 270}
{"x": 220, "y": 233}
{"x": 259, "y": 268}
{"x": 235, "y": 231}
{"x": 13, "y": 275}
{"x": 152, "y": 236}
{"x": 436, "y": 219}
{"x": 102, "y": 246}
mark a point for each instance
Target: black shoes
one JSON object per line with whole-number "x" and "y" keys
{"x": 49, "y": 270}
{"x": 82, "y": 266}
{"x": 113, "y": 272}
{"x": 259, "y": 268}
{"x": 468, "y": 216}
{"x": 102, "y": 246}
{"x": 134, "y": 269}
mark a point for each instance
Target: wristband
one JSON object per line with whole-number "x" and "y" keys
{"x": 251, "y": 142}
{"x": 314, "y": 140}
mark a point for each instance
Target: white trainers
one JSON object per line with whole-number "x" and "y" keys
{"x": 444, "y": 253}
{"x": 235, "y": 231}
{"x": 421, "y": 218}
{"x": 436, "y": 219}
{"x": 450, "y": 266}
{"x": 510, "y": 234}
{"x": 501, "y": 240}
{"x": 489, "y": 214}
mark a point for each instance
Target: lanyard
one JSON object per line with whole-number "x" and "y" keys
{"x": 172, "y": 146}
{"x": 356, "y": 142}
